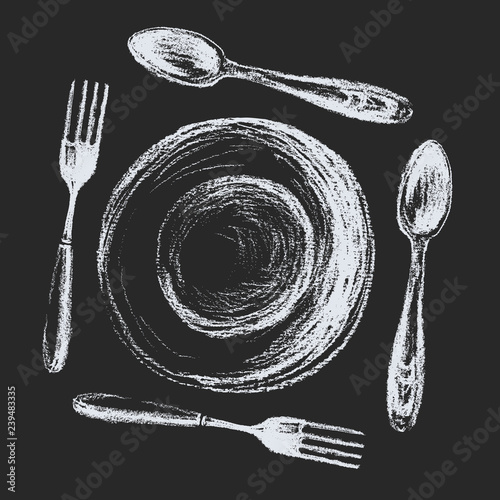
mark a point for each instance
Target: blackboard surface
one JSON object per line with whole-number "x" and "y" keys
{"x": 443, "y": 56}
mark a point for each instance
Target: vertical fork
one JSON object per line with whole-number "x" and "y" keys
{"x": 78, "y": 160}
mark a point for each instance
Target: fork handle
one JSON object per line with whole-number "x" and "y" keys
{"x": 59, "y": 312}
{"x": 113, "y": 408}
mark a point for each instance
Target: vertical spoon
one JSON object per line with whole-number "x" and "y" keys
{"x": 424, "y": 202}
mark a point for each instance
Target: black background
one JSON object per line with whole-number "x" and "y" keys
{"x": 432, "y": 53}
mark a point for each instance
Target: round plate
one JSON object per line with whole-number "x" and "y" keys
{"x": 252, "y": 254}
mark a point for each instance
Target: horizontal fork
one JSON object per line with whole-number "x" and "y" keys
{"x": 282, "y": 435}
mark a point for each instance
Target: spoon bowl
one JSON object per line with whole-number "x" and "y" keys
{"x": 178, "y": 55}
{"x": 424, "y": 200}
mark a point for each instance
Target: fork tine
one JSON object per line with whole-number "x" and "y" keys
{"x": 331, "y": 461}
{"x": 331, "y": 440}
{"x": 93, "y": 108}
{"x": 329, "y": 451}
{"x": 100, "y": 123}
{"x": 67, "y": 122}
{"x": 81, "y": 112}
{"x": 332, "y": 428}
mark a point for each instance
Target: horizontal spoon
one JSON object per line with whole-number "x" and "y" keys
{"x": 189, "y": 58}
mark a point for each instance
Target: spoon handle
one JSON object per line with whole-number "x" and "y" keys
{"x": 405, "y": 381}
{"x": 351, "y": 99}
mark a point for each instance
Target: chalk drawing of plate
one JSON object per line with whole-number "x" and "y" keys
{"x": 252, "y": 254}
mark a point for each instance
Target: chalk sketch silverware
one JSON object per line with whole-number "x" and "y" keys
{"x": 189, "y": 58}
{"x": 424, "y": 202}
{"x": 293, "y": 437}
{"x": 78, "y": 160}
